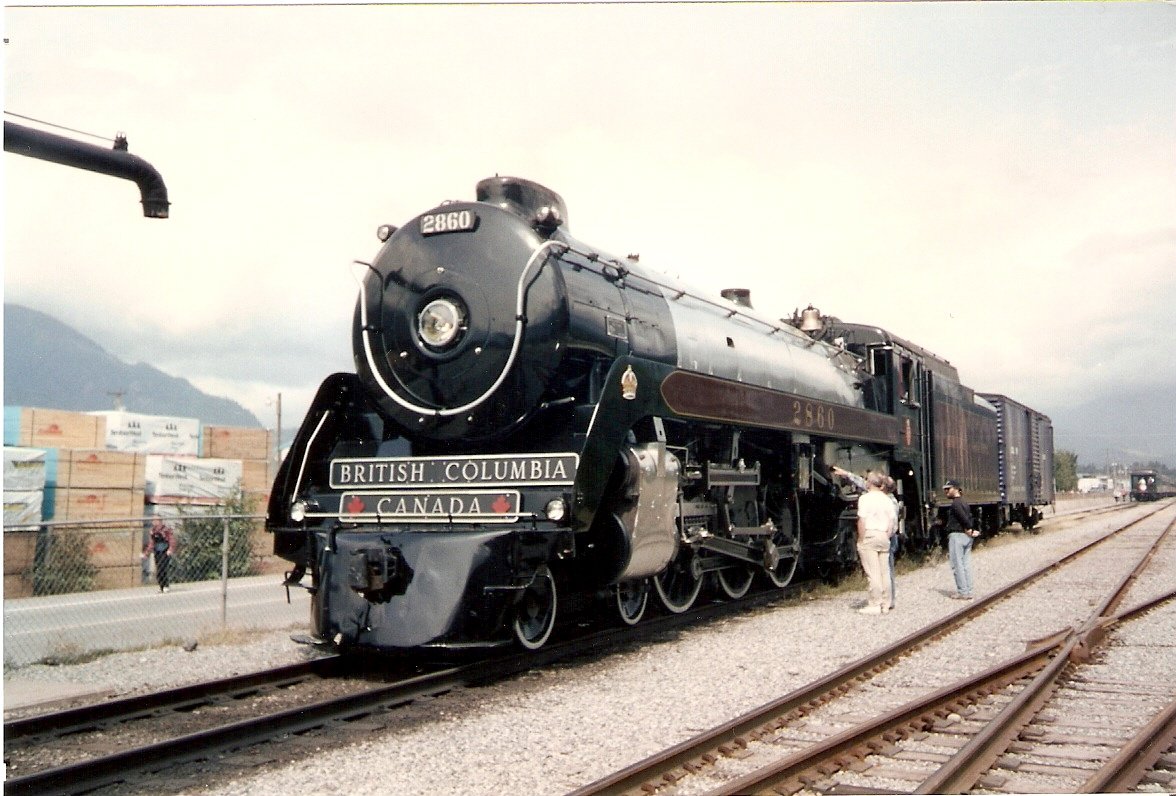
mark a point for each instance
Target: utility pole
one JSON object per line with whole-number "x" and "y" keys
{"x": 277, "y": 452}
{"x": 278, "y": 441}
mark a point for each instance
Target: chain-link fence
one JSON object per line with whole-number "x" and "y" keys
{"x": 75, "y": 588}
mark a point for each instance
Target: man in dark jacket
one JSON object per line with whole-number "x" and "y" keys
{"x": 960, "y": 534}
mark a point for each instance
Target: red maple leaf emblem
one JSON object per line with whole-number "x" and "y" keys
{"x": 501, "y": 505}
{"x": 355, "y": 505}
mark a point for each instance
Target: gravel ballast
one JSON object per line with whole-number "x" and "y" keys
{"x": 556, "y": 729}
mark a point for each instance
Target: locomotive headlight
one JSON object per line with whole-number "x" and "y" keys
{"x": 441, "y": 322}
{"x": 298, "y": 511}
{"x": 556, "y": 509}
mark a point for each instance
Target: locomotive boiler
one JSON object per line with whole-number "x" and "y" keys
{"x": 535, "y": 424}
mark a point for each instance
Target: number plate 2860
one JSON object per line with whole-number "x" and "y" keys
{"x": 452, "y": 221}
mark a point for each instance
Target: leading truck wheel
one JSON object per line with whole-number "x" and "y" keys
{"x": 535, "y": 613}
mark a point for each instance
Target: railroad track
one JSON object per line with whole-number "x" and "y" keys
{"x": 32, "y": 730}
{"x": 122, "y": 742}
{"x": 815, "y": 743}
{"x": 195, "y": 726}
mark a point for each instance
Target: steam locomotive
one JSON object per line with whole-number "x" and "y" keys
{"x": 536, "y": 424}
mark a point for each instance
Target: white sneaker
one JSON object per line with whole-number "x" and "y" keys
{"x": 871, "y": 609}
{"x": 165, "y": 589}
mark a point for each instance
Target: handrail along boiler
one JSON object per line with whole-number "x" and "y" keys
{"x": 536, "y": 424}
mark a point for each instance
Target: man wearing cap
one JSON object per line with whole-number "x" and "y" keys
{"x": 875, "y": 526}
{"x": 960, "y": 533}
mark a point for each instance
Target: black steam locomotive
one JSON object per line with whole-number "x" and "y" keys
{"x": 535, "y": 424}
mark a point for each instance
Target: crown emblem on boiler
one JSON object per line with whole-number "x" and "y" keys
{"x": 629, "y": 384}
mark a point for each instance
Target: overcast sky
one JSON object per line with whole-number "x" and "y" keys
{"x": 996, "y": 182}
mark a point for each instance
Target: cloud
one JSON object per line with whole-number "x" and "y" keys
{"x": 991, "y": 183}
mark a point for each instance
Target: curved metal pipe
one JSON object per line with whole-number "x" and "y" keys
{"x": 116, "y": 162}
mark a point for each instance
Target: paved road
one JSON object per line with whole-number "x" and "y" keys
{"x": 62, "y": 625}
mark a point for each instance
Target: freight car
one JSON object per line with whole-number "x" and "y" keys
{"x": 1025, "y": 460}
{"x": 534, "y": 423}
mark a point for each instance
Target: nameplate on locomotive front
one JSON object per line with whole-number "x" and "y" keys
{"x": 448, "y": 505}
{"x": 409, "y": 472}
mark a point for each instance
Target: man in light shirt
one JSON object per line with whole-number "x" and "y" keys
{"x": 876, "y": 523}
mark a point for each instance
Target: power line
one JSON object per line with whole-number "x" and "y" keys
{"x": 49, "y": 124}
{"x": 403, "y": 3}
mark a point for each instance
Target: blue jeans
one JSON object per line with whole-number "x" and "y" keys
{"x": 893, "y": 550}
{"x": 959, "y": 552}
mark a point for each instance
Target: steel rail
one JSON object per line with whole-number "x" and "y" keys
{"x": 87, "y": 775}
{"x": 1038, "y": 662}
{"x": 961, "y": 772}
{"x": 91, "y": 774}
{"x": 661, "y": 767}
{"x": 74, "y": 720}
{"x": 908, "y": 718}
{"x": 1126, "y": 769}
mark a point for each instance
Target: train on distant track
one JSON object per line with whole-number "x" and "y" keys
{"x": 1147, "y": 485}
{"x": 537, "y": 427}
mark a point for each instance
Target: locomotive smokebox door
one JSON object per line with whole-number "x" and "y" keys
{"x": 462, "y": 320}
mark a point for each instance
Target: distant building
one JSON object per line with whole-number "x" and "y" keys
{"x": 1095, "y": 483}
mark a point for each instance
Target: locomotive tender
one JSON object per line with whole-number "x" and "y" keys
{"x": 534, "y": 423}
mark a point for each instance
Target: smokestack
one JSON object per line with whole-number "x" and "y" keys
{"x": 116, "y": 162}
{"x": 739, "y": 295}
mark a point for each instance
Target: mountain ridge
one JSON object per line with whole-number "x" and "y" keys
{"x": 50, "y": 365}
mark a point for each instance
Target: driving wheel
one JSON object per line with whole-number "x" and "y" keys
{"x": 632, "y": 597}
{"x": 535, "y": 613}
{"x": 735, "y": 580}
{"x": 782, "y": 552}
{"x": 679, "y": 583}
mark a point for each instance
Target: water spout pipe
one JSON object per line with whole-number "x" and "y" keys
{"x": 116, "y": 162}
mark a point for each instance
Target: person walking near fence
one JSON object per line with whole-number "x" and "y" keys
{"x": 162, "y": 543}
